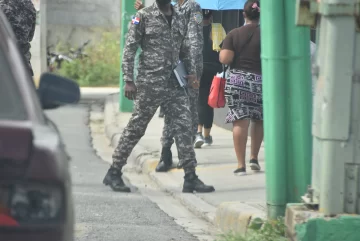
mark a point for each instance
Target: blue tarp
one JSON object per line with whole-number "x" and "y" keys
{"x": 222, "y": 4}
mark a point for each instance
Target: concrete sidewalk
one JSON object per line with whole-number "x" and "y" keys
{"x": 237, "y": 199}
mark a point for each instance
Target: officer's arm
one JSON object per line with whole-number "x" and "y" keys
{"x": 33, "y": 24}
{"x": 139, "y": 5}
{"x": 133, "y": 40}
{"x": 4, "y": 6}
{"x": 196, "y": 39}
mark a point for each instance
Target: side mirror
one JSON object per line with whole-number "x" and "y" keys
{"x": 55, "y": 91}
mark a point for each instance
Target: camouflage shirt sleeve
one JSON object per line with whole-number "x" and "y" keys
{"x": 22, "y": 18}
{"x": 195, "y": 38}
{"x": 32, "y": 31}
{"x": 133, "y": 41}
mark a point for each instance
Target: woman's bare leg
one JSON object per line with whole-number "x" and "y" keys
{"x": 200, "y": 128}
{"x": 257, "y": 136}
{"x": 207, "y": 132}
{"x": 240, "y": 135}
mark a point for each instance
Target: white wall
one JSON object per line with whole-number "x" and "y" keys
{"x": 70, "y": 21}
{"x": 149, "y": 2}
{"x": 35, "y": 47}
{"x": 76, "y": 21}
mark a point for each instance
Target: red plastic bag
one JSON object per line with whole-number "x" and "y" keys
{"x": 217, "y": 92}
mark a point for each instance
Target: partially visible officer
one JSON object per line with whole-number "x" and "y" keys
{"x": 21, "y": 15}
{"x": 160, "y": 31}
{"x": 194, "y": 43}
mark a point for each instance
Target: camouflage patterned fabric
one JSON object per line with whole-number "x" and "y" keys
{"x": 194, "y": 38}
{"x": 22, "y": 17}
{"x": 167, "y": 139}
{"x": 160, "y": 53}
{"x": 194, "y": 41}
{"x": 161, "y": 47}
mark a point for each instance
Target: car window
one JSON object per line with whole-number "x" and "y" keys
{"x": 11, "y": 103}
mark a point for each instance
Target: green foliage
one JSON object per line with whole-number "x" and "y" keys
{"x": 101, "y": 68}
{"x": 259, "y": 230}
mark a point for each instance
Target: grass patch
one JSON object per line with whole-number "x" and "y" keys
{"x": 101, "y": 68}
{"x": 259, "y": 230}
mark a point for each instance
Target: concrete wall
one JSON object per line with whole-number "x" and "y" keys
{"x": 149, "y": 2}
{"x": 36, "y": 47}
{"x": 76, "y": 21}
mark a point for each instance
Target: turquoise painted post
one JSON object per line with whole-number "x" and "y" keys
{"x": 127, "y": 11}
{"x": 273, "y": 47}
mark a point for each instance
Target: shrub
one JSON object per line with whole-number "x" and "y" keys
{"x": 271, "y": 230}
{"x": 101, "y": 68}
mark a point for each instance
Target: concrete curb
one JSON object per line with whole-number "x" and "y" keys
{"x": 236, "y": 216}
{"x": 229, "y": 216}
{"x": 191, "y": 201}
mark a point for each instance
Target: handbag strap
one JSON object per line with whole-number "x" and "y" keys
{"x": 225, "y": 68}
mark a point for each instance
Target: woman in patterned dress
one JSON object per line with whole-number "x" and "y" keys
{"x": 243, "y": 91}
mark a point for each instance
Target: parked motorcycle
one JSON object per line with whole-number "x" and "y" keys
{"x": 55, "y": 60}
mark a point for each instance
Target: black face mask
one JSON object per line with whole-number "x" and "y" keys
{"x": 162, "y": 3}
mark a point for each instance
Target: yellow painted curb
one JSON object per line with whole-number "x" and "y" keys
{"x": 149, "y": 165}
{"x": 235, "y": 216}
{"x": 209, "y": 168}
{"x": 37, "y": 81}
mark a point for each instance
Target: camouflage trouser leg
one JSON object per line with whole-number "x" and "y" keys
{"x": 179, "y": 117}
{"x": 168, "y": 135}
{"x": 146, "y": 104}
{"x": 167, "y": 138}
{"x": 194, "y": 98}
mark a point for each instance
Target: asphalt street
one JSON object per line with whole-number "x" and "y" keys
{"x": 102, "y": 215}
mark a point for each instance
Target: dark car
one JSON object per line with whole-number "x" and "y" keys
{"x": 36, "y": 202}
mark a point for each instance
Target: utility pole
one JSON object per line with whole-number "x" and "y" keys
{"x": 287, "y": 104}
{"x": 335, "y": 178}
{"x": 332, "y": 204}
{"x": 336, "y": 115}
{"x": 299, "y": 96}
{"x": 274, "y": 99}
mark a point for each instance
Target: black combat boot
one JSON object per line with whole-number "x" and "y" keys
{"x": 193, "y": 184}
{"x": 114, "y": 180}
{"x": 166, "y": 161}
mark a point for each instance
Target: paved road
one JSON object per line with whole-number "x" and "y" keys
{"x": 102, "y": 215}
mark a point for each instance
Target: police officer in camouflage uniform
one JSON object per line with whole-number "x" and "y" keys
{"x": 160, "y": 31}
{"x": 194, "y": 41}
{"x": 21, "y": 15}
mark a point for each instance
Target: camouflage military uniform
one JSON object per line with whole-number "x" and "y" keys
{"x": 194, "y": 41}
{"x": 156, "y": 85}
{"x": 21, "y": 15}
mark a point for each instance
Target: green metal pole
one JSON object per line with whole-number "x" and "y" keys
{"x": 273, "y": 49}
{"x": 299, "y": 106}
{"x": 127, "y": 11}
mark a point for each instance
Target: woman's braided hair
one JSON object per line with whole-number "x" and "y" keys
{"x": 252, "y": 9}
